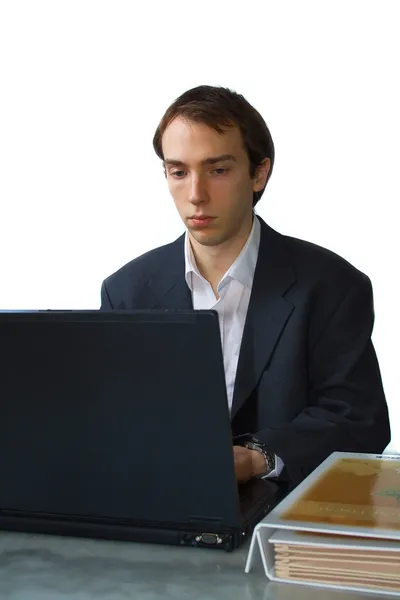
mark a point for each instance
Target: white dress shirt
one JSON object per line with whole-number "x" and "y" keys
{"x": 234, "y": 292}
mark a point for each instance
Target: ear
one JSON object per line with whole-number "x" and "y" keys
{"x": 261, "y": 175}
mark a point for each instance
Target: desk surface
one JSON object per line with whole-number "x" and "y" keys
{"x": 38, "y": 567}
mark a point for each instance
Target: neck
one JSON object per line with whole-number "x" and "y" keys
{"x": 214, "y": 261}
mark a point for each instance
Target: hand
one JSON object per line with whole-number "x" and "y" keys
{"x": 248, "y": 463}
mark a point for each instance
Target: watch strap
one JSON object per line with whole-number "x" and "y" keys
{"x": 268, "y": 456}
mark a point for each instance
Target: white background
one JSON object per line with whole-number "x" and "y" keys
{"x": 84, "y": 84}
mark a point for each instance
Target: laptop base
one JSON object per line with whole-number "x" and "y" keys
{"x": 227, "y": 541}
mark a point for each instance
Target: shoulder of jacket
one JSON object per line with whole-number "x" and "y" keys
{"x": 326, "y": 263}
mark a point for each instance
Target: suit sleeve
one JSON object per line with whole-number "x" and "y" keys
{"x": 347, "y": 409}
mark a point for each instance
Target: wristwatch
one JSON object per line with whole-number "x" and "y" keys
{"x": 269, "y": 456}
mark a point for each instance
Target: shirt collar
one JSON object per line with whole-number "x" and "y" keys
{"x": 241, "y": 270}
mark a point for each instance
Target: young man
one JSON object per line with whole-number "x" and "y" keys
{"x": 296, "y": 319}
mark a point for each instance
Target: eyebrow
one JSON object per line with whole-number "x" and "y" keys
{"x": 208, "y": 161}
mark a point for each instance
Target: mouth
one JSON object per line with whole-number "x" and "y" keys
{"x": 201, "y": 221}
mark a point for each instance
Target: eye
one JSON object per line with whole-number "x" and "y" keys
{"x": 177, "y": 174}
{"x": 218, "y": 171}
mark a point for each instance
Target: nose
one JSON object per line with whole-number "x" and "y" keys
{"x": 198, "y": 192}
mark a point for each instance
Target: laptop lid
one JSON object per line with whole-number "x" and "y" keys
{"x": 120, "y": 415}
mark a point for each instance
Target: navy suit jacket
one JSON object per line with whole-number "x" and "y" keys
{"x": 308, "y": 381}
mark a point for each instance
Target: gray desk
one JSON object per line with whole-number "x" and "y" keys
{"x": 38, "y": 567}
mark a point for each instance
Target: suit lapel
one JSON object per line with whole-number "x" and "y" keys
{"x": 168, "y": 287}
{"x": 267, "y": 314}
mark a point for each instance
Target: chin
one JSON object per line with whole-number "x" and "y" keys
{"x": 207, "y": 239}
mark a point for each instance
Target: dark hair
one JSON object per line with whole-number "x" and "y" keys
{"x": 220, "y": 107}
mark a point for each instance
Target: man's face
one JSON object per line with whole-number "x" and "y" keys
{"x": 208, "y": 176}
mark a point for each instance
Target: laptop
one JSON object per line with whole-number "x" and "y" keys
{"x": 116, "y": 425}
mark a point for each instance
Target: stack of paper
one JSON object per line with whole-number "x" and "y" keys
{"x": 351, "y": 561}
